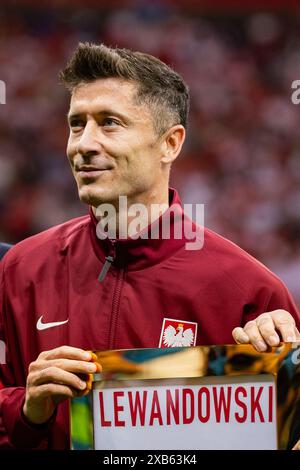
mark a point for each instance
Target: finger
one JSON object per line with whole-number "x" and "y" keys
{"x": 296, "y": 446}
{"x": 297, "y": 333}
{"x": 285, "y": 324}
{"x": 255, "y": 338}
{"x": 94, "y": 360}
{"x": 52, "y": 390}
{"x": 89, "y": 385}
{"x": 66, "y": 352}
{"x": 267, "y": 329}
{"x": 239, "y": 336}
{"x": 94, "y": 357}
{"x": 77, "y": 367}
{"x": 56, "y": 376}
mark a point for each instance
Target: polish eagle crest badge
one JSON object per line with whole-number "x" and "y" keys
{"x": 177, "y": 333}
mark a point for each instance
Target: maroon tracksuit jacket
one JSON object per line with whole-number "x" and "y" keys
{"x": 54, "y": 275}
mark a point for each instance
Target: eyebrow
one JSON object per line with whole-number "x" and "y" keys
{"x": 104, "y": 112}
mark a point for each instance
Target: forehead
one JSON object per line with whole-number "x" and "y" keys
{"x": 106, "y": 93}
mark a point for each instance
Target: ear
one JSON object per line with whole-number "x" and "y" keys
{"x": 172, "y": 143}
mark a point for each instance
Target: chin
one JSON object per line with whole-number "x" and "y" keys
{"x": 95, "y": 198}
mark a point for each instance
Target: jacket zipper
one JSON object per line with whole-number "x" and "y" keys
{"x": 115, "y": 307}
{"x": 108, "y": 261}
{"x": 117, "y": 291}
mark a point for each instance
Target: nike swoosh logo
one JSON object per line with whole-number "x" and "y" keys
{"x": 44, "y": 326}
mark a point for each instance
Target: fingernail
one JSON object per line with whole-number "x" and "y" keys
{"x": 261, "y": 346}
{"x": 99, "y": 367}
{"x": 82, "y": 385}
{"x": 243, "y": 339}
{"x": 87, "y": 355}
{"x": 273, "y": 340}
{"x": 92, "y": 367}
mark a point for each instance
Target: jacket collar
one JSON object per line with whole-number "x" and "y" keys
{"x": 134, "y": 254}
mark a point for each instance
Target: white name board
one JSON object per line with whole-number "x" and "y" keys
{"x": 213, "y": 413}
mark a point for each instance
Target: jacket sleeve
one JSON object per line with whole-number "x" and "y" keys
{"x": 282, "y": 299}
{"x": 273, "y": 296}
{"x": 15, "y": 431}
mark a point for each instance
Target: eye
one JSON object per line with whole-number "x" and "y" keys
{"x": 76, "y": 124}
{"x": 110, "y": 122}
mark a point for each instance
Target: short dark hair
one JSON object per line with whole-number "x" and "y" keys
{"x": 160, "y": 87}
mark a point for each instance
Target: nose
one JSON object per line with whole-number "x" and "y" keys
{"x": 89, "y": 143}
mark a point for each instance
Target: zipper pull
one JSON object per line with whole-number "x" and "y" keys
{"x": 105, "y": 269}
{"x": 108, "y": 261}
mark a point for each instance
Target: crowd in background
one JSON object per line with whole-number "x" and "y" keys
{"x": 242, "y": 155}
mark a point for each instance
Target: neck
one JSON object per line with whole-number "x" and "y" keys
{"x": 128, "y": 216}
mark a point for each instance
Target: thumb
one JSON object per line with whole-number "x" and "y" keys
{"x": 239, "y": 336}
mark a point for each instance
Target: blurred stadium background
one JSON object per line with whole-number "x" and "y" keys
{"x": 242, "y": 156}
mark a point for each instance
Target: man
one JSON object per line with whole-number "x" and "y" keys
{"x": 68, "y": 290}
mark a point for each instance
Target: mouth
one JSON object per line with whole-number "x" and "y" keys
{"x": 87, "y": 172}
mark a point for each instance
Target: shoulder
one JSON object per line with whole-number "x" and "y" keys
{"x": 46, "y": 243}
{"x": 231, "y": 261}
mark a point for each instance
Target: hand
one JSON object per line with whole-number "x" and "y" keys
{"x": 56, "y": 375}
{"x": 268, "y": 329}
{"x": 296, "y": 446}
